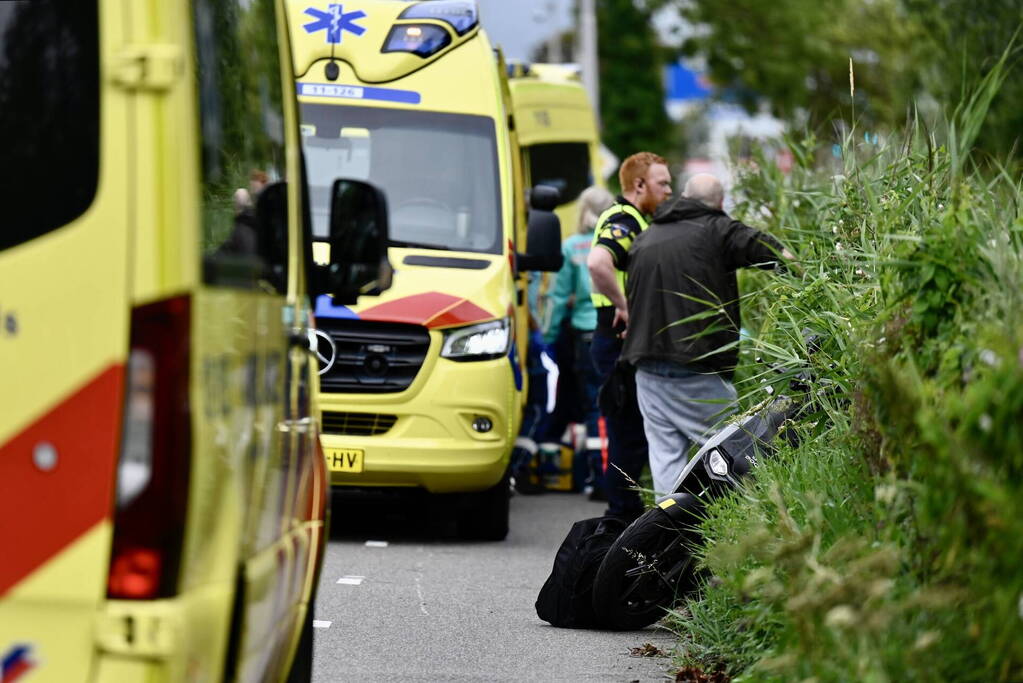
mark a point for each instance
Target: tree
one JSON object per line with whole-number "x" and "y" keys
{"x": 795, "y": 55}
{"x": 631, "y": 74}
{"x": 969, "y": 36}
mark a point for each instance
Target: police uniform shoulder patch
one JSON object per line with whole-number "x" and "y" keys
{"x": 616, "y": 231}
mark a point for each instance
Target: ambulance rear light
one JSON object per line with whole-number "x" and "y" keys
{"x": 422, "y": 40}
{"x": 135, "y": 574}
{"x": 461, "y": 15}
{"x": 135, "y": 468}
{"x": 153, "y": 471}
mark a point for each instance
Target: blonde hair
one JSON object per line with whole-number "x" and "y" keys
{"x": 593, "y": 201}
{"x": 636, "y": 167}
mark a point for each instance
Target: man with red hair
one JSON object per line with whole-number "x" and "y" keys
{"x": 646, "y": 183}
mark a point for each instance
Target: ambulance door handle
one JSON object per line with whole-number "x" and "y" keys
{"x": 149, "y": 67}
{"x": 302, "y": 426}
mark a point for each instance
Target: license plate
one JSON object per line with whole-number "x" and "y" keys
{"x": 344, "y": 459}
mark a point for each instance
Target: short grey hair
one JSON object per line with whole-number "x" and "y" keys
{"x": 705, "y": 188}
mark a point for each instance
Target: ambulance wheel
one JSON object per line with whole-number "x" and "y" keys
{"x": 485, "y": 515}
{"x": 302, "y": 666}
{"x": 646, "y": 570}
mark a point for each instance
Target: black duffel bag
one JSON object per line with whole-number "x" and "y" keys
{"x": 566, "y": 599}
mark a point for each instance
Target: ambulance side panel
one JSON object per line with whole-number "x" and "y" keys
{"x": 67, "y": 132}
{"x": 254, "y": 519}
{"x": 184, "y": 101}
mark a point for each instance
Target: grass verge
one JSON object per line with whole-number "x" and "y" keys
{"x": 886, "y": 547}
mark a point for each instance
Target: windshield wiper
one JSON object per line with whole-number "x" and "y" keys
{"x": 415, "y": 245}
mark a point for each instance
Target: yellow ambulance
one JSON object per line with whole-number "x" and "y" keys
{"x": 557, "y": 130}
{"x": 422, "y": 387}
{"x": 163, "y": 487}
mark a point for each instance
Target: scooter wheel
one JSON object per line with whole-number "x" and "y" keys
{"x": 646, "y": 570}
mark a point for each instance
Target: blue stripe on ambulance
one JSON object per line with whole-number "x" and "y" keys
{"x": 513, "y": 356}
{"x": 325, "y": 308}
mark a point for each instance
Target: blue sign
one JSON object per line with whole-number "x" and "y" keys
{"x": 684, "y": 84}
{"x": 359, "y": 92}
{"x": 335, "y": 22}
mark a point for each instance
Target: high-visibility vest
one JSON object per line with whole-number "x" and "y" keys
{"x": 598, "y": 299}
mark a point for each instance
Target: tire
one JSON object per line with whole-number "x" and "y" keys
{"x": 302, "y": 666}
{"x": 485, "y": 516}
{"x": 647, "y": 568}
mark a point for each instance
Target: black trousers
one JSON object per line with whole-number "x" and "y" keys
{"x": 627, "y": 447}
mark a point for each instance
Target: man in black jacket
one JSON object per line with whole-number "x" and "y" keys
{"x": 683, "y": 336}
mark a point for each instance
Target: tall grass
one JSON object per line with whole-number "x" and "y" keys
{"x": 889, "y": 545}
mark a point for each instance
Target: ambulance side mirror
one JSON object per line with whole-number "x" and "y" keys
{"x": 544, "y": 198}
{"x": 358, "y": 241}
{"x": 543, "y": 238}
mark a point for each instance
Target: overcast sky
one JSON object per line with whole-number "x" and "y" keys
{"x": 518, "y": 25}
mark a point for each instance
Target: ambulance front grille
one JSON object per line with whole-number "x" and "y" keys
{"x": 357, "y": 424}
{"x": 373, "y": 357}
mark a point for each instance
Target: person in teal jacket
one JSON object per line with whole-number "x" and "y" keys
{"x": 570, "y": 296}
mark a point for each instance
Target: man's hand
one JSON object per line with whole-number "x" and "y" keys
{"x": 791, "y": 263}
{"x": 622, "y": 320}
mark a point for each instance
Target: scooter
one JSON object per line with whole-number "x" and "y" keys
{"x": 651, "y": 565}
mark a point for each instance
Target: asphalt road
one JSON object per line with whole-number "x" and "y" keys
{"x": 407, "y": 601}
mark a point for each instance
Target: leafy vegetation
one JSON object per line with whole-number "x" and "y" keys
{"x": 886, "y": 546}
{"x": 794, "y": 55}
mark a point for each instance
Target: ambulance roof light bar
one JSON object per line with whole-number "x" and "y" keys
{"x": 461, "y": 15}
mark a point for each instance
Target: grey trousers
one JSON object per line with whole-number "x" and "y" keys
{"x": 679, "y": 408}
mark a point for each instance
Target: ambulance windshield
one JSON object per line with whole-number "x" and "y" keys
{"x": 439, "y": 172}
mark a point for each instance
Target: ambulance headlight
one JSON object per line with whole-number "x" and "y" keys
{"x": 419, "y": 39}
{"x": 460, "y": 14}
{"x": 486, "y": 341}
{"x": 718, "y": 465}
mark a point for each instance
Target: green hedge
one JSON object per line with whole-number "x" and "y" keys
{"x": 889, "y": 545}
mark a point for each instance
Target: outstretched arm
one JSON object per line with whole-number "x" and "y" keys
{"x": 748, "y": 246}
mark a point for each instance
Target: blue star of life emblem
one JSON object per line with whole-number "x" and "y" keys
{"x": 335, "y": 22}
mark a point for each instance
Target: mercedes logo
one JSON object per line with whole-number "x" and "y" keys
{"x": 326, "y": 350}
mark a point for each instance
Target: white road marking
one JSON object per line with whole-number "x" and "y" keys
{"x": 321, "y": 624}
{"x": 351, "y": 580}
{"x": 376, "y": 544}
{"x": 419, "y": 592}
